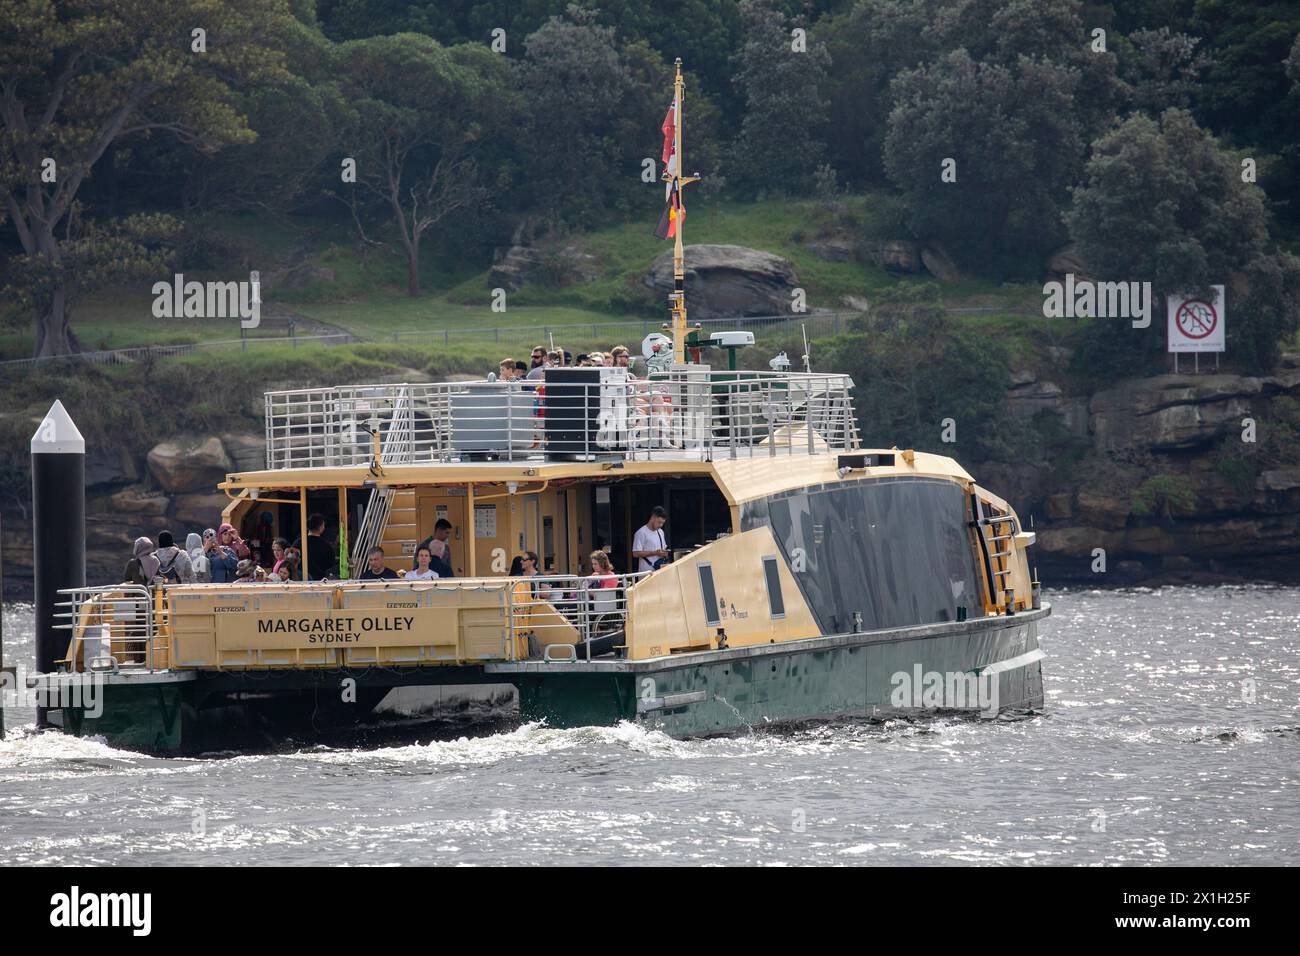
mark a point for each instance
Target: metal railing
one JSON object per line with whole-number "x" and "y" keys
{"x": 586, "y": 616}
{"x": 120, "y": 627}
{"x": 115, "y": 627}
{"x": 688, "y": 414}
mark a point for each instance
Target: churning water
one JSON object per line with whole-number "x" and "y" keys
{"x": 1172, "y": 736}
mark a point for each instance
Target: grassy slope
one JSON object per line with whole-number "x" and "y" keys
{"x": 366, "y": 295}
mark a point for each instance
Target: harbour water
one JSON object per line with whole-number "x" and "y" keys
{"x": 1171, "y": 736}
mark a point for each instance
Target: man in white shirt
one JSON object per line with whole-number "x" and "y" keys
{"x": 649, "y": 549}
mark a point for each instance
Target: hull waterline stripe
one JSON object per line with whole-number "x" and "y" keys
{"x": 1011, "y": 663}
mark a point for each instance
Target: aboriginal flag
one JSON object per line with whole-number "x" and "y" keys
{"x": 674, "y": 213}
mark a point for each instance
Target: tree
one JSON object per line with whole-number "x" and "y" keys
{"x": 1162, "y": 69}
{"x": 913, "y": 367}
{"x": 1017, "y": 147}
{"x": 421, "y": 112}
{"x": 579, "y": 160}
{"x": 1163, "y": 202}
{"x": 77, "y": 77}
{"x": 780, "y": 144}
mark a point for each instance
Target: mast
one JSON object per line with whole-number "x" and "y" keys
{"x": 677, "y": 298}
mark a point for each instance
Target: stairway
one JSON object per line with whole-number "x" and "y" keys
{"x": 996, "y": 531}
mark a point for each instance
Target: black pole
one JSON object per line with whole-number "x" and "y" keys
{"x": 58, "y": 528}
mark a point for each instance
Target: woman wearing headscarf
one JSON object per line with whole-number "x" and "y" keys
{"x": 198, "y": 560}
{"x": 222, "y": 561}
{"x": 142, "y": 568}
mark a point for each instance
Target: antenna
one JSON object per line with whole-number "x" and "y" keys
{"x": 807, "y": 352}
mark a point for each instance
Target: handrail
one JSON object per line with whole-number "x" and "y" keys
{"x": 127, "y": 609}
{"x": 692, "y": 413}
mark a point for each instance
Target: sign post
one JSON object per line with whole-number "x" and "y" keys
{"x": 1196, "y": 325}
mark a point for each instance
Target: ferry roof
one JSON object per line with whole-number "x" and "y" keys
{"x": 740, "y": 479}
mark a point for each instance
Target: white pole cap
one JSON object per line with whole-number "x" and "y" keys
{"x": 57, "y": 434}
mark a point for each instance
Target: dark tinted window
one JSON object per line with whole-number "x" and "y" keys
{"x": 775, "y": 599}
{"x": 710, "y": 595}
{"x": 897, "y": 550}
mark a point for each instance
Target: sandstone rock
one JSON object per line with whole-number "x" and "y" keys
{"x": 1026, "y": 398}
{"x": 189, "y": 463}
{"x": 1103, "y": 509}
{"x": 939, "y": 264}
{"x": 137, "y": 500}
{"x": 247, "y": 452}
{"x": 1060, "y": 506}
{"x": 1066, "y": 260}
{"x": 832, "y": 250}
{"x": 544, "y": 262}
{"x": 196, "y": 512}
{"x": 1077, "y": 541}
{"x": 728, "y": 281}
{"x": 1279, "y": 479}
{"x": 1171, "y": 412}
{"x": 110, "y": 467}
{"x": 1178, "y": 562}
{"x": 855, "y": 303}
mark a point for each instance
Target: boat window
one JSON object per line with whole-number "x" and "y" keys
{"x": 710, "y": 596}
{"x": 775, "y": 599}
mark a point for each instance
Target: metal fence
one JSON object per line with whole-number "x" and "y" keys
{"x": 576, "y": 414}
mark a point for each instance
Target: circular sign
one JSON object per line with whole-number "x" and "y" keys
{"x": 655, "y": 342}
{"x": 1196, "y": 319}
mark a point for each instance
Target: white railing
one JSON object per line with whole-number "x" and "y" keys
{"x": 115, "y": 627}
{"x": 691, "y": 413}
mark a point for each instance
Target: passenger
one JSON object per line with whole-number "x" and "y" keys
{"x": 554, "y": 359}
{"x": 438, "y": 546}
{"x": 602, "y": 572}
{"x": 259, "y": 539}
{"x": 280, "y": 552}
{"x": 291, "y": 569}
{"x": 423, "y": 570}
{"x": 221, "y": 559}
{"x": 319, "y": 558}
{"x": 143, "y": 567}
{"x": 506, "y": 370}
{"x": 375, "y": 570}
{"x": 584, "y": 361}
{"x": 246, "y": 572}
{"x": 526, "y": 594}
{"x": 521, "y": 371}
{"x": 198, "y": 559}
{"x": 620, "y": 357}
{"x": 538, "y": 360}
{"x": 173, "y": 563}
{"x": 598, "y": 359}
{"x": 228, "y": 537}
{"x": 649, "y": 548}
{"x": 527, "y": 564}
{"x": 568, "y": 359}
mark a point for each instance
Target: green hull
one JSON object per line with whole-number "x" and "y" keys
{"x": 852, "y": 675}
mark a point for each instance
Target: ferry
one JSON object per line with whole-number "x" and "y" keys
{"x": 803, "y": 576}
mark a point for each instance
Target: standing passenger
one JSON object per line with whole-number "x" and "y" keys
{"x": 143, "y": 567}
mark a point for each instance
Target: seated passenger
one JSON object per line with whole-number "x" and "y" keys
{"x": 602, "y": 572}
{"x": 375, "y": 570}
{"x": 423, "y": 566}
